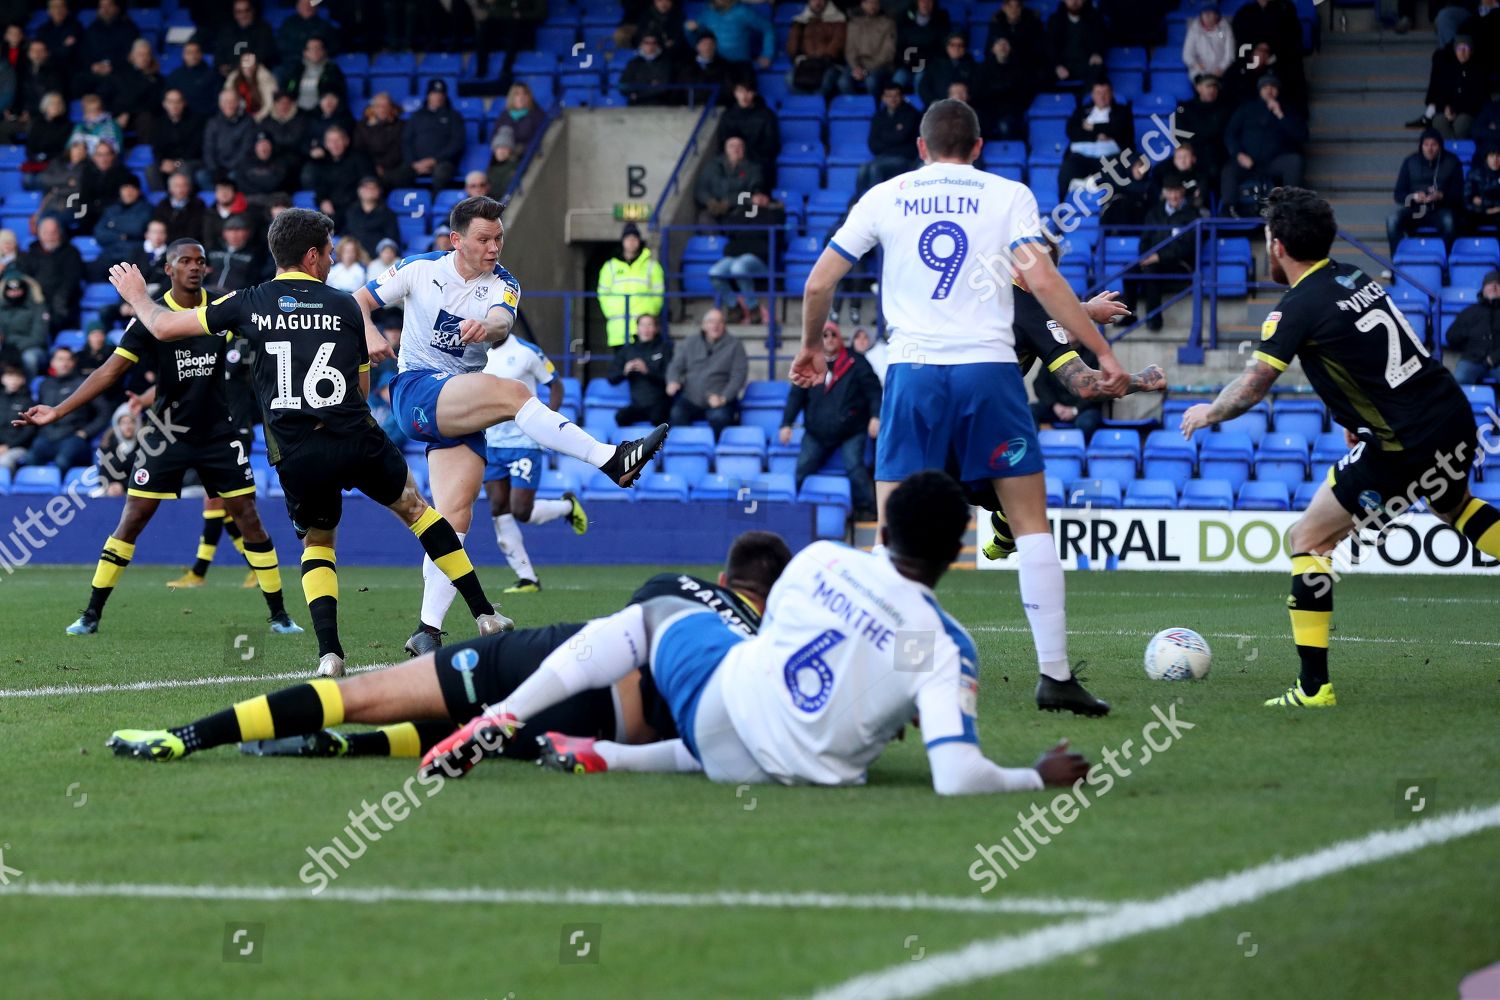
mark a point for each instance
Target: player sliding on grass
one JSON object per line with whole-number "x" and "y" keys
{"x": 953, "y": 236}
{"x": 1412, "y": 433}
{"x": 312, "y": 375}
{"x": 853, "y": 645}
{"x": 454, "y": 305}
{"x": 190, "y": 403}
{"x": 456, "y": 681}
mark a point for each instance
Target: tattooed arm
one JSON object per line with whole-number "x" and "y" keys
{"x": 1237, "y": 398}
{"x": 1083, "y": 381}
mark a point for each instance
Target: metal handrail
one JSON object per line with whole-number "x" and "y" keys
{"x": 689, "y": 148}
{"x": 514, "y": 187}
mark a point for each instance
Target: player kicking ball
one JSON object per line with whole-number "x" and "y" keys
{"x": 1410, "y": 428}
{"x": 453, "y": 306}
{"x": 853, "y": 645}
{"x": 459, "y": 680}
{"x": 513, "y": 463}
{"x": 190, "y": 404}
{"x": 312, "y": 375}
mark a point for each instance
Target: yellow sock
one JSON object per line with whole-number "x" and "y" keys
{"x": 403, "y": 739}
{"x": 1480, "y": 524}
{"x": 112, "y": 562}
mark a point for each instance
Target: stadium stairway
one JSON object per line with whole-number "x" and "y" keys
{"x": 1366, "y": 83}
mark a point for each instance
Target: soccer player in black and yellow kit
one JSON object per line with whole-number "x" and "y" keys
{"x": 191, "y": 407}
{"x": 1041, "y": 338}
{"x": 312, "y": 374}
{"x": 454, "y": 683}
{"x": 1411, "y": 430}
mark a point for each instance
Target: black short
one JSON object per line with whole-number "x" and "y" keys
{"x": 487, "y": 670}
{"x": 223, "y": 467}
{"x": 315, "y": 475}
{"x": 1365, "y": 480}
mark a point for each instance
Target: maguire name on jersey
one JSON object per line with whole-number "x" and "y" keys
{"x": 435, "y": 301}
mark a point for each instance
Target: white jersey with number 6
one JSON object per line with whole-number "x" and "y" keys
{"x": 848, "y": 652}
{"x": 947, "y": 231}
{"x": 523, "y": 361}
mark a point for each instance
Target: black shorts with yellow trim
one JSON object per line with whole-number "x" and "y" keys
{"x": 222, "y": 465}
{"x": 1367, "y": 479}
{"x": 487, "y": 670}
{"x": 319, "y": 469}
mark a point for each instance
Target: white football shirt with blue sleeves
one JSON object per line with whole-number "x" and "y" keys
{"x": 525, "y": 362}
{"x": 434, "y": 300}
{"x": 848, "y": 652}
{"x": 948, "y": 232}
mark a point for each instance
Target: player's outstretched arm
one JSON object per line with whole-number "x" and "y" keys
{"x": 1085, "y": 382}
{"x": 817, "y": 296}
{"x": 375, "y": 343}
{"x": 1042, "y": 277}
{"x": 1237, "y": 398}
{"x": 99, "y": 379}
{"x": 161, "y": 322}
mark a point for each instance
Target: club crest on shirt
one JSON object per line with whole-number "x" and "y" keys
{"x": 1058, "y": 333}
{"x": 480, "y": 291}
{"x": 1268, "y": 328}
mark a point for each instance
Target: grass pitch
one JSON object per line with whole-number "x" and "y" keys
{"x": 1416, "y": 663}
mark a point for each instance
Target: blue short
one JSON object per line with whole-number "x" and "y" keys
{"x": 685, "y": 658}
{"x": 975, "y": 413}
{"x": 414, "y": 401}
{"x": 522, "y": 466}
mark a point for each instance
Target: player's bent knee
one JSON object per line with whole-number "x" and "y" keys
{"x": 657, "y": 610}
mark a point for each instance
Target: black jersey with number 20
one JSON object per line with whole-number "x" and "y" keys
{"x": 1363, "y": 358}
{"x": 310, "y": 351}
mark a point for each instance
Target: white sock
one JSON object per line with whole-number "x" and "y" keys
{"x": 438, "y": 591}
{"x": 551, "y": 429}
{"x": 508, "y": 537}
{"x": 1044, "y": 597}
{"x": 666, "y": 757}
{"x": 543, "y": 511}
{"x": 603, "y": 652}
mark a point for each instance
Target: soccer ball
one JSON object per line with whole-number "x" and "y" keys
{"x": 1177, "y": 654}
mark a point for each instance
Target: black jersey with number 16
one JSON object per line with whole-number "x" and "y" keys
{"x": 310, "y": 351}
{"x": 1362, "y": 357}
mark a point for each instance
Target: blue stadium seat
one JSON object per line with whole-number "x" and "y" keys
{"x": 97, "y": 295}
{"x": 1300, "y": 416}
{"x": 1063, "y": 467}
{"x": 782, "y": 458}
{"x": 1055, "y": 106}
{"x": 768, "y": 418}
{"x": 826, "y": 489}
{"x": 555, "y": 482}
{"x": 73, "y": 340}
{"x": 399, "y": 87}
{"x": 743, "y": 440}
{"x": 801, "y": 130}
{"x": 688, "y": 451}
{"x": 772, "y": 488}
{"x": 38, "y": 480}
{"x": 848, "y": 143}
{"x": 1206, "y": 494}
{"x": 716, "y": 486}
{"x": 1304, "y": 494}
{"x": 1282, "y": 457}
{"x": 1115, "y": 443}
{"x": 1480, "y": 395}
{"x": 1047, "y": 140}
{"x": 11, "y": 157}
{"x": 1227, "y": 456}
{"x": 4, "y": 481}
{"x": 449, "y": 64}
{"x": 619, "y": 435}
{"x": 1255, "y": 422}
{"x": 1328, "y": 448}
{"x": 22, "y": 202}
{"x": 1102, "y": 493}
{"x": 1167, "y": 456}
{"x": 1488, "y": 492}
{"x": 1467, "y": 275}
{"x": 1150, "y": 494}
{"x": 663, "y": 486}
{"x": 773, "y": 391}
{"x": 558, "y": 39}
{"x": 1264, "y": 495}
{"x": 600, "y": 488}
{"x": 1055, "y": 496}
{"x": 1484, "y": 250}
{"x": 857, "y": 106}
{"x": 806, "y": 107}
{"x": 1063, "y": 443}
{"x": 601, "y": 393}
{"x": 1421, "y": 250}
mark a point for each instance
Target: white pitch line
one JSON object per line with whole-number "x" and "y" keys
{"x": 1337, "y": 636}
{"x": 565, "y": 897}
{"x": 1008, "y": 953}
{"x": 172, "y": 682}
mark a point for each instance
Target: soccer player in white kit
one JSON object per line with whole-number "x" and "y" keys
{"x": 852, "y": 646}
{"x": 513, "y": 463}
{"x": 454, "y": 304}
{"x": 953, "y": 238}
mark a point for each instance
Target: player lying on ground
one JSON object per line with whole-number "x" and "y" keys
{"x": 513, "y": 463}
{"x": 1414, "y": 435}
{"x": 456, "y": 681}
{"x": 190, "y": 409}
{"x": 1040, "y": 338}
{"x": 853, "y": 645}
{"x": 953, "y": 238}
{"x": 312, "y": 375}
{"x": 453, "y": 306}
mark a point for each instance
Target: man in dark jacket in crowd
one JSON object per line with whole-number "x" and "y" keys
{"x": 433, "y": 140}
{"x": 122, "y": 225}
{"x": 1429, "y": 190}
{"x": 750, "y": 118}
{"x": 369, "y": 219}
{"x": 892, "y": 140}
{"x": 182, "y": 211}
{"x": 649, "y": 75}
{"x": 314, "y": 75}
{"x": 721, "y": 182}
{"x": 1023, "y": 29}
{"x": 236, "y": 263}
{"x": 58, "y": 268}
{"x": 15, "y": 397}
{"x": 1207, "y": 116}
{"x": 1274, "y": 22}
{"x": 197, "y": 81}
{"x": 105, "y": 47}
{"x": 1076, "y": 40}
{"x": 304, "y": 24}
{"x": 747, "y": 254}
{"x": 643, "y": 361}
{"x": 841, "y": 415}
{"x": 951, "y": 64}
{"x": 1099, "y": 131}
{"x": 228, "y": 139}
{"x": 1166, "y": 219}
{"x": 1457, "y": 89}
{"x": 1475, "y": 336}
{"x": 176, "y": 140}
{"x": 337, "y": 172}
{"x": 23, "y": 326}
{"x": 65, "y": 443}
{"x": 1482, "y": 189}
{"x": 247, "y": 30}
{"x": 1264, "y": 141}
